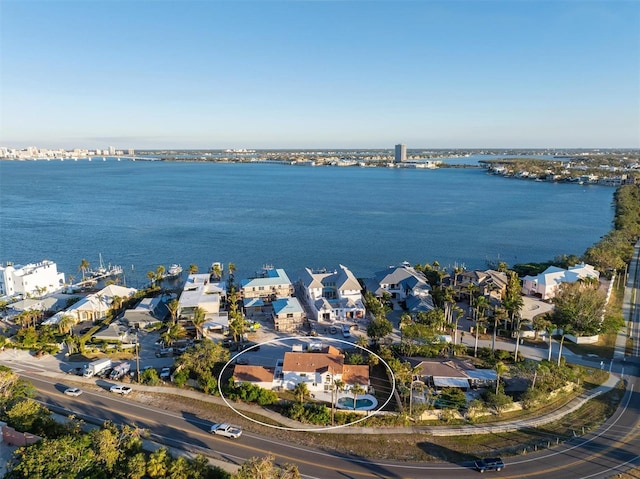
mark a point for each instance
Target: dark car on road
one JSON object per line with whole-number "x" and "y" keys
{"x": 489, "y": 464}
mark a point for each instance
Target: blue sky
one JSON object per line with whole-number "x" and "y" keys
{"x": 320, "y": 74}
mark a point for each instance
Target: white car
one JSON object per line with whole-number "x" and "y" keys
{"x": 120, "y": 389}
{"x": 226, "y": 430}
{"x": 165, "y": 373}
{"x": 346, "y": 331}
{"x": 75, "y": 392}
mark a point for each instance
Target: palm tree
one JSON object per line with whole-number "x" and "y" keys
{"x": 217, "y": 272}
{"x": 193, "y": 268}
{"x": 116, "y": 302}
{"x": 481, "y": 306}
{"x": 160, "y": 271}
{"x": 65, "y": 323}
{"x": 151, "y": 276}
{"x": 500, "y": 369}
{"x": 336, "y": 387}
{"x": 231, "y": 269}
{"x": 498, "y": 314}
{"x": 458, "y": 313}
{"x": 301, "y": 390}
{"x": 173, "y": 307}
{"x": 84, "y": 267}
{"x": 518, "y": 328}
{"x": 174, "y": 332}
{"x": 357, "y": 390}
{"x": 198, "y": 320}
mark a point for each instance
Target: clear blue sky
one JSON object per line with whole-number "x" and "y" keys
{"x": 320, "y": 74}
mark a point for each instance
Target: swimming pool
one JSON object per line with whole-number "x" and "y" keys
{"x": 363, "y": 403}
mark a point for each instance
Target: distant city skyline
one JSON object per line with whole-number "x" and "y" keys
{"x": 320, "y": 75}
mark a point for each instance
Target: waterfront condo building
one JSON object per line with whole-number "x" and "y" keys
{"x": 401, "y": 153}
{"x": 33, "y": 279}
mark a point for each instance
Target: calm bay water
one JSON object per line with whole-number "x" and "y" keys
{"x": 142, "y": 214}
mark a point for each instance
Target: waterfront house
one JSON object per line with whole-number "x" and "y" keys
{"x": 199, "y": 292}
{"x": 489, "y": 283}
{"x": 33, "y": 279}
{"x": 332, "y": 295}
{"x": 269, "y": 285}
{"x": 546, "y": 284}
{"x": 403, "y": 283}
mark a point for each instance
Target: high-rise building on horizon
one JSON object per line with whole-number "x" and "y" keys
{"x": 401, "y": 153}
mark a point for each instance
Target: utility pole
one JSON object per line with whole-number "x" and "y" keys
{"x": 137, "y": 359}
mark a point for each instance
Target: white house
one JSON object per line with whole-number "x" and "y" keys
{"x": 547, "y": 283}
{"x": 200, "y": 292}
{"x": 319, "y": 369}
{"x": 33, "y": 279}
{"x": 332, "y": 295}
{"x": 94, "y": 307}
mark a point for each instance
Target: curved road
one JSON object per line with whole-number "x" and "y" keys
{"x": 614, "y": 447}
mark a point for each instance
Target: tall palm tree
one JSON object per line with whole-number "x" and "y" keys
{"x": 500, "y": 369}
{"x": 198, "y": 320}
{"x": 151, "y": 276}
{"x": 337, "y": 386}
{"x": 357, "y": 390}
{"x": 84, "y": 267}
{"x": 498, "y": 315}
{"x": 458, "y": 313}
{"x": 301, "y": 390}
{"x": 193, "y": 268}
{"x": 231, "y": 268}
{"x": 173, "y": 306}
{"x": 482, "y": 304}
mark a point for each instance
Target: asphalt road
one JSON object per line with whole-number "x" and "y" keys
{"x": 613, "y": 447}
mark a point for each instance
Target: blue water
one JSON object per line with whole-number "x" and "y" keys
{"x": 142, "y": 214}
{"x": 360, "y": 403}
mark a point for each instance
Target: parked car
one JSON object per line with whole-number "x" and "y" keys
{"x": 165, "y": 373}
{"x": 250, "y": 346}
{"x": 164, "y": 352}
{"x": 489, "y": 464}
{"x": 120, "y": 389}
{"x": 75, "y": 392}
{"x": 346, "y": 331}
{"x": 226, "y": 430}
{"x": 77, "y": 371}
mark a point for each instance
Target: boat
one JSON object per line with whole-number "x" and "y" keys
{"x": 174, "y": 270}
{"x": 103, "y": 272}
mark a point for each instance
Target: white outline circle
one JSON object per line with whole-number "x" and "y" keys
{"x": 307, "y": 429}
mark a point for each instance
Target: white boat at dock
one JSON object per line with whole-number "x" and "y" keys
{"x": 104, "y": 272}
{"x": 174, "y": 270}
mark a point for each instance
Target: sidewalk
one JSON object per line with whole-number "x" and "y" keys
{"x": 501, "y": 427}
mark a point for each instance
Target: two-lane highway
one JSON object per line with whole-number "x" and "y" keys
{"x": 600, "y": 454}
